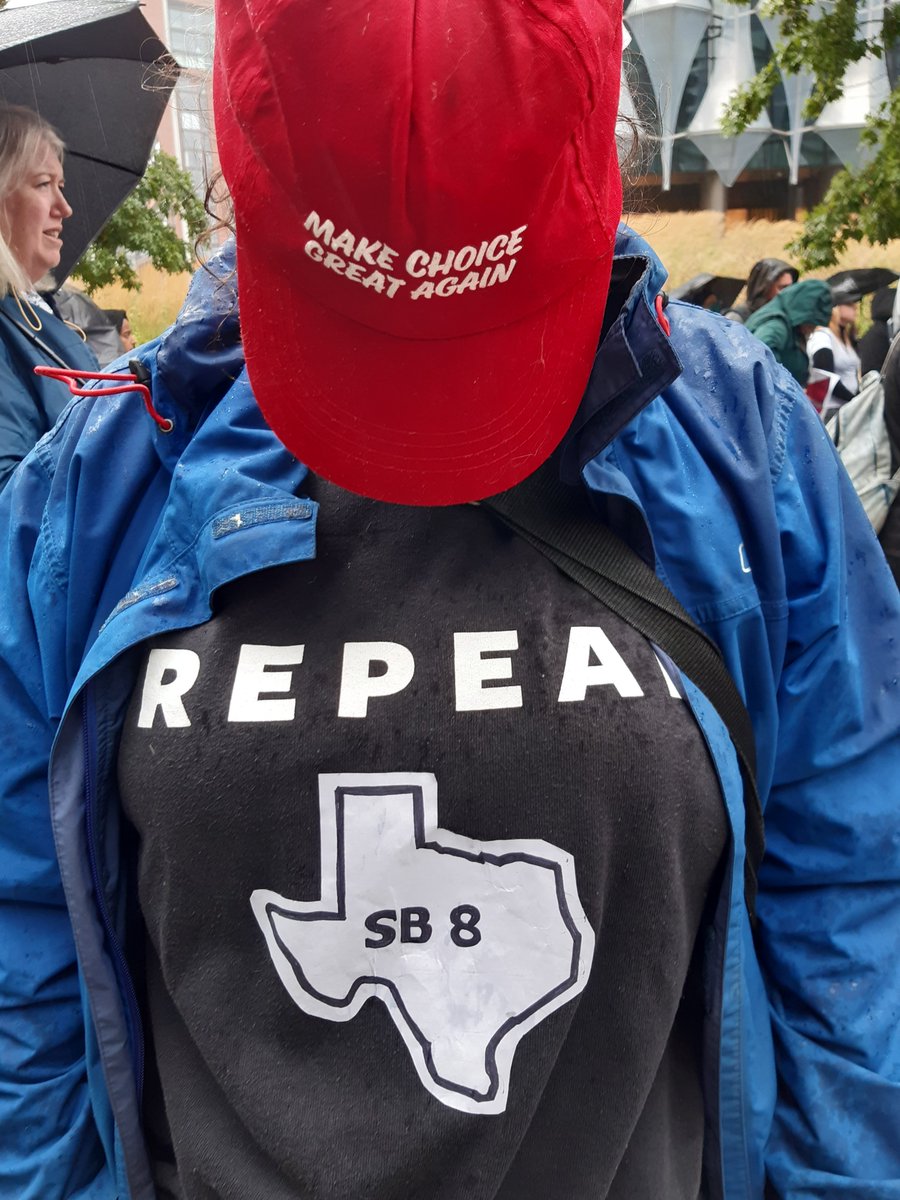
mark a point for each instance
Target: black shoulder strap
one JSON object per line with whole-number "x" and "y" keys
{"x": 557, "y": 520}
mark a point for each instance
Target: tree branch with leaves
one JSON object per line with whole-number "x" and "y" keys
{"x": 862, "y": 203}
{"x": 142, "y": 225}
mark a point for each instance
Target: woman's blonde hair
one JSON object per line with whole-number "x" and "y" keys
{"x": 23, "y": 135}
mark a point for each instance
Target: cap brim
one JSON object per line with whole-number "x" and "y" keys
{"x": 420, "y": 422}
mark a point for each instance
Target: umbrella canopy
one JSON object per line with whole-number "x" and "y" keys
{"x": 99, "y": 74}
{"x": 709, "y": 291}
{"x": 849, "y": 286}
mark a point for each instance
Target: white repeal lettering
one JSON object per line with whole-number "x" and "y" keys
{"x": 358, "y": 686}
{"x": 251, "y": 680}
{"x": 472, "y": 670}
{"x": 166, "y": 694}
{"x": 580, "y": 673}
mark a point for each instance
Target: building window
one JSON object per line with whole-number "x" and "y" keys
{"x": 191, "y": 44}
{"x": 191, "y": 35}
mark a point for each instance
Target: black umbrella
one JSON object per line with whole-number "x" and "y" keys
{"x": 849, "y": 286}
{"x": 716, "y": 291}
{"x": 99, "y": 74}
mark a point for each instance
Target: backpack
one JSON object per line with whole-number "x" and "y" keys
{"x": 860, "y": 435}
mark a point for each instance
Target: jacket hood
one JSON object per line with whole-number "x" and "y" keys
{"x": 762, "y": 275}
{"x": 200, "y": 355}
{"x": 805, "y": 303}
{"x": 631, "y": 244}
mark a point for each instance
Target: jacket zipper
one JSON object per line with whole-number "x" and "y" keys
{"x": 120, "y": 964}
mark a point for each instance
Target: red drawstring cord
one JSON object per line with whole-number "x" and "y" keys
{"x": 124, "y": 383}
{"x": 661, "y": 316}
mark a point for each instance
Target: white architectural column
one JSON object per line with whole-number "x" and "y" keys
{"x": 733, "y": 65}
{"x": 668, "y": 34}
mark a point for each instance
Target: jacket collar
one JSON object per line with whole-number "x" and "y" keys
{"x": 198, "y": 359}
{"x": 635, "y": 360}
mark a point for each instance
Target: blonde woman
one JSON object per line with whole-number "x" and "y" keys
{"x": 33, "y": 208}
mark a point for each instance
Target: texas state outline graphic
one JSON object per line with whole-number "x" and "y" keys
{"x": 468, "y": 944}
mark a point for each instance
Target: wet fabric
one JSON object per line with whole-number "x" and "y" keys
{"x": 437, "y": 643}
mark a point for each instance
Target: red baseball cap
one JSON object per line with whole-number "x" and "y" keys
{"x": 426, "y": 195}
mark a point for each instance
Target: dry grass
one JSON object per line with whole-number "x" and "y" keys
{"x": 687, "y": 243}
{"x": 151, "y": 309}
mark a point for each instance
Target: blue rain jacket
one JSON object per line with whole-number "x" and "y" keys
{"x": 30, "y": 404}
{"x": 702, "y": 452}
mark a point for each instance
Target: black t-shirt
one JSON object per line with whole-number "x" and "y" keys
{"x": 426, "y": 835}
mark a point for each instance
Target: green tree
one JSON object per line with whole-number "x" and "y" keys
{"x": 862, "y": 203}
{"x": 141, "y": 225}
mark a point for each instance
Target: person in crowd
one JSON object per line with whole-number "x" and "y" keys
{"x": 119, "y": 318}
{"x": 873, "y": 345}
{"x": 351, "y": 847}
{"x": 786, "y": 322}
{"x": 33, "y": 209}
{"x": 767, "y": 278}
{"x": 832, "y": 348}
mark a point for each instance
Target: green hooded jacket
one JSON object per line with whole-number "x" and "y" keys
{"x": 777, "y": 323}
